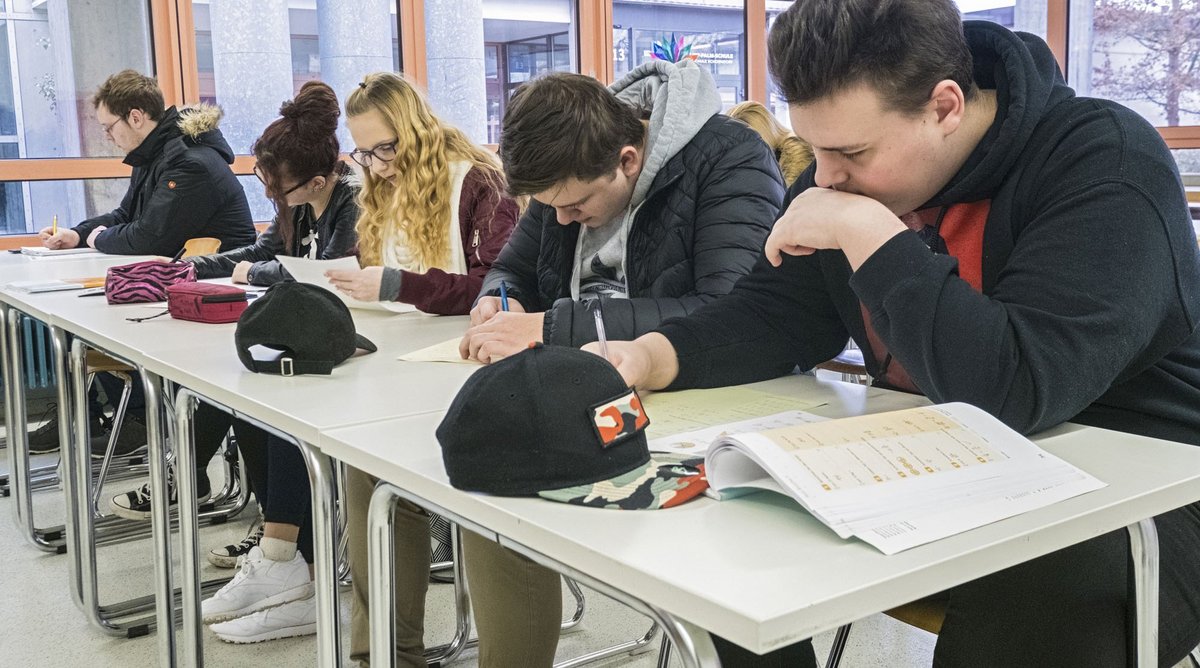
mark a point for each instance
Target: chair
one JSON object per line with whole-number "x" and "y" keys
{"x": 926, "y": 614}
{"x": 201, "y": 246}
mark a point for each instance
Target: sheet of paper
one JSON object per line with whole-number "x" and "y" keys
{"x": 43, "y": 252}
{"x": 43, "y": 286}
{"x": 446, "y": 351}
{"x": 690, "y": 410}
{"x": 309, "y": 271}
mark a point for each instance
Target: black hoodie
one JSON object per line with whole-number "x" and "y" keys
{"x": 181, "y": 188}
{"x": 1081, "y": 301}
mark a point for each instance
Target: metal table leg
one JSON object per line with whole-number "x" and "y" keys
{"x": 1143, "y": 545}
{"x": 320, "y": 473}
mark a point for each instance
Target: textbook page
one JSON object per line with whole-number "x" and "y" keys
{"x": 55, "y": 285}
{"x": 903, "y": 478}
{"x": 446, "y": 351}
{"x": 309, "y": 271}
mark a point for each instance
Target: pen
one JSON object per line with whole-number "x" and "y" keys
{"x": 179, "y": 254}
{"x": 503, "y": 296}
{"x": 599, "y": 316}
{"x": 54, "y": 225}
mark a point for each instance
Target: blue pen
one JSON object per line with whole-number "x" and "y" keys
{"x": 503, "y": 296}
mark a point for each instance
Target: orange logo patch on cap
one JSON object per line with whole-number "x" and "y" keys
{"x": 619, "y": 418}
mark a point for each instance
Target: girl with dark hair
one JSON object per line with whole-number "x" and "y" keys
{"x": 315, "y": 193}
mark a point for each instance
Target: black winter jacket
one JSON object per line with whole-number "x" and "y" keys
{"x": 1090, "y": 285}
{"x": 700, "y": 228}
{"x": 335, "y": 237}
{"x": 181, "y": 188}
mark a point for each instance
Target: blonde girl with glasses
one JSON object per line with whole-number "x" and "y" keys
{"x": 435, "y": 213}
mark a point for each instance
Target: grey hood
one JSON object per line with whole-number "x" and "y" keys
{"x": 680, "y": 98}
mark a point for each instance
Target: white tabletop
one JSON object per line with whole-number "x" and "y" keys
{"x": 760, "y": 571}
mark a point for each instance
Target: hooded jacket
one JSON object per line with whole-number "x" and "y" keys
{"x": 181, "y": 188}
{"x": 1070, "y": 291}
{"x": 701, "y": 209}
{"x": 331, "y": 236}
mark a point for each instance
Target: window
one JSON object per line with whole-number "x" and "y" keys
{"x": 709, "y": 32}
{"x": 1142, "y": 53}
{"x": 52, "y": 58}
{"x": 29, "y": 206}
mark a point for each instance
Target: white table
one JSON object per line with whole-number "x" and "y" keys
{"x": 680, "y": 563}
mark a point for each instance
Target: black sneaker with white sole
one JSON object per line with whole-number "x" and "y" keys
{"x": 135, "y": 504}
{"x": 44, "y": 439}
{"x": 227, "y": 556}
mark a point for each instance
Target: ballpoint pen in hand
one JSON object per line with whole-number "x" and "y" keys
{"x": 54, "y": 225}
{"x": 598, "y": 314}
{"x": 503, "y": 296}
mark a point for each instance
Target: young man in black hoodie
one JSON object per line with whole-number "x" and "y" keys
{"x": 985, "y": 236}
{"x": 181, "y": 186}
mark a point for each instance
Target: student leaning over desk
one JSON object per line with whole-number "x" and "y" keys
{"x": 986, "y": 236}
{"x": 648, "y": 201}
{"x": 181, "y": 186}
{"x": 314, "y": 192}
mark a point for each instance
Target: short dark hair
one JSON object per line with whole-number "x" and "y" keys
{"x": 901, "y": 48}
{"x": 561, "y": 126}
{"x": 128, "y": 90}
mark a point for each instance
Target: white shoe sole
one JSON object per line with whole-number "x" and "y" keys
{"x": 293, "y": 594}
{"x": 222, "y": 560}
{"x": 274, "y": 634}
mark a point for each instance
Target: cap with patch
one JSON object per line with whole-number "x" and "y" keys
{"x": 560, "y": 423}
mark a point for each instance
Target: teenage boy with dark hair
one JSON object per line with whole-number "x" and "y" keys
{"x": 645, "y": 199}
{"x": 181, "y": 187}
{"x": 989, "y": 237}
{"x": 651, "y": 203}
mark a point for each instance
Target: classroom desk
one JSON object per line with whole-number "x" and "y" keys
{"x": 202, "y": 359}
{"x": 756, "y": 570}
{"x": 15, "y": 305}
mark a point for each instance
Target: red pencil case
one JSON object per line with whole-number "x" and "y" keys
{"x": 205, "y": 302}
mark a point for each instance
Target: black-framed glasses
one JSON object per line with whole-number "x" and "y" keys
{"x": 258, "y": 172}
{"x": 385, "y": 152}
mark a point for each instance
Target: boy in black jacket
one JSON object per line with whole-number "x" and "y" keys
{"x": 985, "y": 236}
{"x": 181, "y": 186}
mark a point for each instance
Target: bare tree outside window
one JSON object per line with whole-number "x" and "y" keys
{"x": 1149, "y": 55}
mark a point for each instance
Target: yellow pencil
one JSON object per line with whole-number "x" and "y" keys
{"x": 54, "y": 225}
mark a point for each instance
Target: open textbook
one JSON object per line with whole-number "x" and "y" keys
{"x": 894, "y": 480}
{"x": 305, "y": 270}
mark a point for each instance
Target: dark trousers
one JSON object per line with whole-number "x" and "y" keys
{"x": 1071, "y": 608}
{"x": 280, "y": 481}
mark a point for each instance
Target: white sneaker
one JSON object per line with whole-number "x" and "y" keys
{"x": 258, "y": 585}
{"x": 296, "y": 618}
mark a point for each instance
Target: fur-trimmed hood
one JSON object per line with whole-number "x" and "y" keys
{"x": 181, "y": 129}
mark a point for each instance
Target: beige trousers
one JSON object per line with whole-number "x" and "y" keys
{"x": 517, "y": 603}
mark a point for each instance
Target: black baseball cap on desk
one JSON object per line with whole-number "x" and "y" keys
{"x": 309, "y": 326}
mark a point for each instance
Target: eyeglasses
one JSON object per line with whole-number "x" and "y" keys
{"x": 258, "y": 172}
{"x": 108, "y": 128}
{"x": 385, "y": 152}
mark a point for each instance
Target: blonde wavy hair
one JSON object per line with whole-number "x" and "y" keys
{"x": 420, "y": 201}
{"x": 794, "y": 154}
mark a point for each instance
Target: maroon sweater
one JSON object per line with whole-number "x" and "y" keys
{"x": 486, "y": 216}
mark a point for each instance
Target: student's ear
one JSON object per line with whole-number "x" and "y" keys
{"x": 136, "y": 117}
{"x": 631, "y": 160}
{"x": 949, "y": 105}
{"x": 318, "y": 183}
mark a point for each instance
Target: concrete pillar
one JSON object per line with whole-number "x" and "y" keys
{"x": 454, "y": 50}
{"x": 252, "y": 65}
{"x": 356, "y": 39}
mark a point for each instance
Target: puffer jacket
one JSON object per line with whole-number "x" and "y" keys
{"x": 181, "y": 188}
{"x": 333, "y": 233}
{"x": 700, "y": 228}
